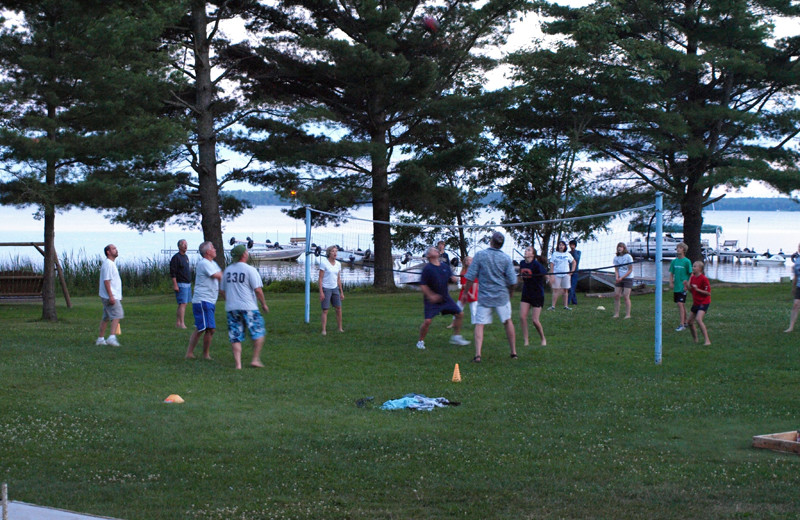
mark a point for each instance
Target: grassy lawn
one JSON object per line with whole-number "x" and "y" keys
{"x": 587, "y": 427}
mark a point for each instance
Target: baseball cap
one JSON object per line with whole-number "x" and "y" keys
{"x": 237, "y": 252}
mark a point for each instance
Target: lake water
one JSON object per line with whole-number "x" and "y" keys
{"x": 86, "y": 232}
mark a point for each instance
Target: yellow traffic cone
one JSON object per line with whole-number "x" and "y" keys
{"x": 456, "y": 375}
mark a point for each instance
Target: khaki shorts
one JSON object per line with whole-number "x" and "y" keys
{"x": 561, "y": 282}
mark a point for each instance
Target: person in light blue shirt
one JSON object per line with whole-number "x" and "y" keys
{"x": 495, "y": 270}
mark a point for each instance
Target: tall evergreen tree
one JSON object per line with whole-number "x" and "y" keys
{"x": 348, "y": 82}
{"x": 686, "y": 95}
{"x": 81, "y": 97}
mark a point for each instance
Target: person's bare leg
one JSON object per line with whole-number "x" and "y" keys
{"x": 339, "y": 318}
{"x": 324, "y": 321}
{"x": 536, "y": 312}
{"x": 103, "y": 325}
{"x": 627, "y": 293}
{"x": 511, "y": 335}
{"x": 180, "y": 316}
{"x": 691, "y": 328}
{"x": 478, "y": 340}
{"x": 458, "y": 320}
{"x": 523, "y": 317}
{"x": 193, "y": 339}
{"x": 700, "y": 316}
{"x": 423, "y": 329}
{"x": 209, "y": 335}
{"x": 237, "y": 354}
{"x": 617, "y": 294}
{"x": 792, "y": 320}
{"x": 257, "y": 345}
{"x": 682, "y": 312}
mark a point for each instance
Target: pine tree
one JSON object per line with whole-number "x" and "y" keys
{"x": 346, "y": 83}
{"x": 686, "y": 96}
{"x": 82, "y": 94}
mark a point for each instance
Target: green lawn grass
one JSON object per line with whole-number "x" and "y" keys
{"x": 587, "y": 427}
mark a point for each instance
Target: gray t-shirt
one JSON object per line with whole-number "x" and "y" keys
{"x": 206, "y": 288}
{"x": 623, "y": 269}
{"x": 494, "y": 271}
{"x": 239, "y": 281}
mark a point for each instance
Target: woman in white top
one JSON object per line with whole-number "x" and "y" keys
{"x": 330, "y": 287}
{"x": 623, "y": 269}
{"x": 562, "y": 265}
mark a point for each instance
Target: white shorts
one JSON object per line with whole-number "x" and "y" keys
{"x": 483, "y": 315}
{"x": 561, "y": 282}
{"x": 473, "y": 310}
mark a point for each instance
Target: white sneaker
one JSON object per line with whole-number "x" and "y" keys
{"x": 680, "y": 328}
{"x": 421, "y": 345}
{"x": 458, "y": 340}
{"x": 112, "y": 340}
{"x": 100, "y": 341}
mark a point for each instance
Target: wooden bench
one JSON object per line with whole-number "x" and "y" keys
{"x": 21, "y": 284}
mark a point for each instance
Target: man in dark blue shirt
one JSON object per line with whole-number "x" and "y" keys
{"x": 435, "y": 277}
{"x": 180, "y": 270}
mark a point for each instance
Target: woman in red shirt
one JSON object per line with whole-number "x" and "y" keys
{"x": 701, "y": 299}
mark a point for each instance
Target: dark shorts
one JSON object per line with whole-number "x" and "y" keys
{"x": 184, "y": 293}
{"x": 698, "y": 308}
{"x": 797, "y": 293}
{"x": 533, "y": 301}
{"x": 331, "y": 298}
{"x": 446, "y": 306}
{"x": 625, "y": 283}
{"x": 679, "y": 297}
{"x": 204, "y": 315}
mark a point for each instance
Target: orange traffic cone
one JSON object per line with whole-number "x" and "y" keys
{"x": 119, "y": 330}
{"x": 456, "y": 375}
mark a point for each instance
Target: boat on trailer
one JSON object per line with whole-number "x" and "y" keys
{"x": 645, "y": 247}
{"x": 269, "y": 251}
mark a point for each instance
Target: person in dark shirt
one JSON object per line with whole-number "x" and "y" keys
{"x": 180, "y": 270}
{"x": 435, "y": 277}
{"x": 532, "y": 274}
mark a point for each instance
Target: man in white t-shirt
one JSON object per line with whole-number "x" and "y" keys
{"x": 330, "y": 287}
{"x": 204, "y": 301}
{"x": 111, "y": 296}
{"x": 241, "y": 288}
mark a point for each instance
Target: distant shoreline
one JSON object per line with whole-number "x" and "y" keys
{"x": 270, "y": 198}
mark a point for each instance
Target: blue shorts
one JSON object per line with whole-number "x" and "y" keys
{"x": 446, "y": 306}
{"x": 239, "y": 320}
{"x": 204, "y": 315}
{"x": 698, "y": 308}
{"x": 184, "y": 293}
{"x": 679, "y": 297}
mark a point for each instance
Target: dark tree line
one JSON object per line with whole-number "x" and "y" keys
{"x": 129, "y": 107}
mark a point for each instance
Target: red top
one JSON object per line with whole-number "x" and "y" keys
{"x": 701, "y": 282}
{"x": 472, "y": 295}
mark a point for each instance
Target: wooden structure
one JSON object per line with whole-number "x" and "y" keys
{"x": 26, "y": 284}
{"x": 786, "y": 441}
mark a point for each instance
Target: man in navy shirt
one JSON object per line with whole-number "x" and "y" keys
{"x": 435, "y": 277}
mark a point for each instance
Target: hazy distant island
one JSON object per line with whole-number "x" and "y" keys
{"x": 270, "y": 198}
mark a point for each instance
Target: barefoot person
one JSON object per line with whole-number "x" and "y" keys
{"x": 701, "y": 299}
{"x": 204, "y": 301}
{"x": 241, "y": 288}
{"x": 436, "y": 298}
{"x": 562, "y": 265}
{"x": 623, "y": 269}
{"x": 532, "y": 274}
{"x": 796, "y": 289}
{"x": 496, "y": 273}
{"x": 111, "y": 296}
{"x": 680, "y": 269}
{"x": 180, "y": 270}
{"x": 330, "y": 287}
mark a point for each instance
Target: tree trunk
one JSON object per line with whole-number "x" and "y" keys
{"x": 381, "y": 209}
{"x": 692, "y": 210}
{"x": 462, "y": 239}
{"x": 206, "y": 169}
{"x": 49, "y": 281}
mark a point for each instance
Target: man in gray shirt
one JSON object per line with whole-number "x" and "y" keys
{"x": 495, "y": 270}
{"x": 241, "y": 287}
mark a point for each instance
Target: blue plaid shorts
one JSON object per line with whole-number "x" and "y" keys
{"x": 238, "y": 321}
